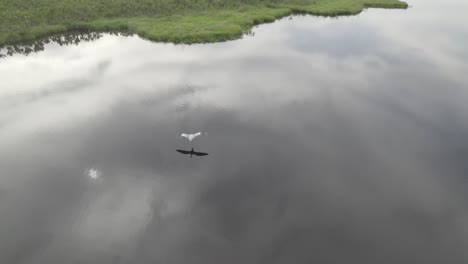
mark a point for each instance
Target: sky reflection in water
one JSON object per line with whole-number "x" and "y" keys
{"x": 329, "y": 140}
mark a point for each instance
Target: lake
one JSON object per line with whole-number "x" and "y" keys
{"x": 329, "y": 140}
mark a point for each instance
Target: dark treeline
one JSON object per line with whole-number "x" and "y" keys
{"x": 72, "y": 38}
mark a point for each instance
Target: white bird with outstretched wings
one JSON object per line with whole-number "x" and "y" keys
{"x": 191, "y": 137}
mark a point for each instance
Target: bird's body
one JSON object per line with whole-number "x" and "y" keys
{"x": 190, "y": 137}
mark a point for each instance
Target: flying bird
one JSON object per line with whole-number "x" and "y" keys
{"x": 191, "y": 153}
{"x": 190, "y": 137}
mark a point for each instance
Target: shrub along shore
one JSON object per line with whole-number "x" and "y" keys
{"x": 178, "y": 21}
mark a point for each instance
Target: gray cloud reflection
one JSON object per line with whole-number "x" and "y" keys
{"x": 313, "y": 156}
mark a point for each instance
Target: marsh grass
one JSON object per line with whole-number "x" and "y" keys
{"x": 179, "y": 21}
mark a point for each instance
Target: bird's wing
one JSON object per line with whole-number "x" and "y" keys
{"x": 196, "y": 134}
{"x": 200, "y": 154}
{"x": 185, "y": 135}
{"x": 183, "y": 151}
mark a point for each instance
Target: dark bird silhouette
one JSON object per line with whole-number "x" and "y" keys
{"x": 191, "y": 152}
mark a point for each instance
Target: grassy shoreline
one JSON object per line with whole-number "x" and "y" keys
{"x": 178, "y": 21}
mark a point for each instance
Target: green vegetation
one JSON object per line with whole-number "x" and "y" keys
{"x": 180, "y": 21}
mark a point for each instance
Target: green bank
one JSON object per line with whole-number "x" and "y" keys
{"x": 178, "y": 21}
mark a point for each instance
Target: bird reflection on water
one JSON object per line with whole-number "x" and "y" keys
{"x": 191, "y": 152}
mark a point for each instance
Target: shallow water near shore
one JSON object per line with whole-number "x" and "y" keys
{"x": 329, "y": 140}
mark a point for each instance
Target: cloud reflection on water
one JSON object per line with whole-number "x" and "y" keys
{"x": 320, "y": 157}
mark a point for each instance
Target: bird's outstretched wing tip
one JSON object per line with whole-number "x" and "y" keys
{"x": 183, "y": 151}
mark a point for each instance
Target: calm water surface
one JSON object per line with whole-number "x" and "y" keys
{"x": 330, "y": 141}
